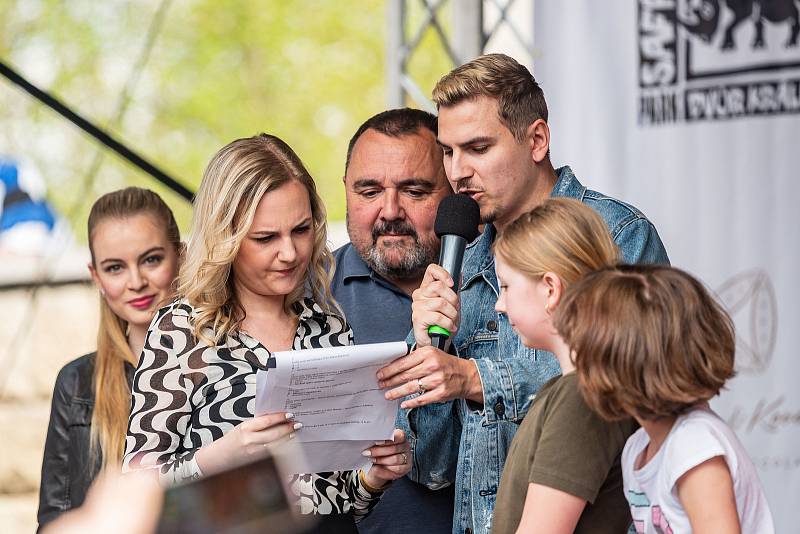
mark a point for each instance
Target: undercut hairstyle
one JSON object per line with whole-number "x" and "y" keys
{"x": 110, "y": 382}
{"x": 394, "y": 123}
{"x": 563, "y": 236}
{"x": 649, "y": 341}
{"x": 520, "y": 100}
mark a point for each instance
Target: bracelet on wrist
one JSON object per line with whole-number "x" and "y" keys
{"x": 363, "y": 477}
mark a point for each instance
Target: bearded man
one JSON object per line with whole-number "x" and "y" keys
{"x": 394, "y": 180}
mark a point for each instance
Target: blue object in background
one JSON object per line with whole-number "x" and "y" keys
{"x": 18, "y": 206}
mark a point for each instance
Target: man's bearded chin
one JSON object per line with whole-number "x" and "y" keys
{"x": 399, "y": 259}
{"x": 490, "y": 217}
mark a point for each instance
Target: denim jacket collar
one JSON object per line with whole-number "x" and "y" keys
{"x": 567, "y": 185}
{"x": 480, "y": 250}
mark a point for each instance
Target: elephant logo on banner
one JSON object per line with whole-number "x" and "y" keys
{"x": 702, "y": 60}
{"x": 702, "y": 19}
{"x": 750, "y": 300}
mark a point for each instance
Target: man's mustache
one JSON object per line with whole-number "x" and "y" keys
{"x": 393, "y": 227}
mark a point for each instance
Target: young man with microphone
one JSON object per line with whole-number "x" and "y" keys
{"x": 496, "y": 142}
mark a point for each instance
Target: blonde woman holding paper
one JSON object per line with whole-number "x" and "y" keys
{"x": 258, "y": 248}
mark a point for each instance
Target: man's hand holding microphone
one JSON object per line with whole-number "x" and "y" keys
{"x": 430, "y": 371}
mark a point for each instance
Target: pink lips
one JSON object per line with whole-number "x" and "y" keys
{"x": 286, "y": 272}
{"x": 142, "y": 303}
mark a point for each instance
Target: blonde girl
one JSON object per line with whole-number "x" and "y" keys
{"x": 562, "y": 473}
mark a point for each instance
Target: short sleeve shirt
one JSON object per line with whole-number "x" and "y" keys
{"x": 695, "y": 437}
{"x": 564, "y": 445}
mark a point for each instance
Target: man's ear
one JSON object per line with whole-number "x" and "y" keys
{"x": 538, "y": 136}
{"x": 555, "y": 289}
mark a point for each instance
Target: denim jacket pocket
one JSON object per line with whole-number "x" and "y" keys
{"x": 480, "y": 344}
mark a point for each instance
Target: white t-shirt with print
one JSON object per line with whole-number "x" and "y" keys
{"x": 696, "y": 436}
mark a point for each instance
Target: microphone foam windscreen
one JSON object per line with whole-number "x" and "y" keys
{"x": 458, "y": 215}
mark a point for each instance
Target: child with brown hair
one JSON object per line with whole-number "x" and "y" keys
{"x": 650, "y": 342}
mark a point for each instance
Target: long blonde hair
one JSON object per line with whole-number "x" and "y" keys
{"x": 232, "y": 186}
{"x": 562, "y": 236}
{"x": 112, "y": 392}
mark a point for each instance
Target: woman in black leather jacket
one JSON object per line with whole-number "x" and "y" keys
{"x": 135, "y": 247}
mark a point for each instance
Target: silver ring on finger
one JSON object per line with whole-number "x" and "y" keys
{"x": 420, "y": 388}
{"x": 404, "y": 458}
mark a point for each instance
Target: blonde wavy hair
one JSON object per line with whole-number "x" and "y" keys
{"x": 112, "y": 394}
{"x": 562, "y": 236}
{"x": 232, "y": 186}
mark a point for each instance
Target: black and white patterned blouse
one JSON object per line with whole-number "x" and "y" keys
{"x": 186, "y": 394}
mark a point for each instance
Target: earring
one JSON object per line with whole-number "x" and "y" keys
{"x": 547, "y": 309}
{"x": 102, "y": 292}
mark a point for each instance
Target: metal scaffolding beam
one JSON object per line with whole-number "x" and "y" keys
{"x": 468, "y": 37}
{"x": 476, "y": 26}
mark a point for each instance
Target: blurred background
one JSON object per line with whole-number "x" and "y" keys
{"x": 174, "y": 81}
{"x": 706, "y": 148}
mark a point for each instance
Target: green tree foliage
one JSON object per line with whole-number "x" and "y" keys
{"x": 307, "y": 71}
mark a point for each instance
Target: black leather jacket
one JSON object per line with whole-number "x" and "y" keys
{"x": 67, "y": 469}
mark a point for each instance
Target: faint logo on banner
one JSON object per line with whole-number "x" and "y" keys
{"x": 750, "y": 300}
{"x": 705, "y": 60}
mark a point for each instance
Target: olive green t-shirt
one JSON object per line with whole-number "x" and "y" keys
{"x": 564, "y": 445}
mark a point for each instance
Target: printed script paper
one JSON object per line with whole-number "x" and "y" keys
{"x": 334, "y": 393}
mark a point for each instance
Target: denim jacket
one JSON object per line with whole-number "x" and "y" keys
{"x": 466, "y": 443}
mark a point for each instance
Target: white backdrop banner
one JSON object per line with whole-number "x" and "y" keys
{"x": 688, "y": 109}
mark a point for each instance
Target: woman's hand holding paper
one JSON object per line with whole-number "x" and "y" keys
{"x": 390, "y": 460}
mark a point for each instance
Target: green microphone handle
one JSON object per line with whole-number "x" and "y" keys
{"x": 439, "y": 336}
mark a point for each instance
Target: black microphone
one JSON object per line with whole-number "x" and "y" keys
{"x": 457, "y": 221}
